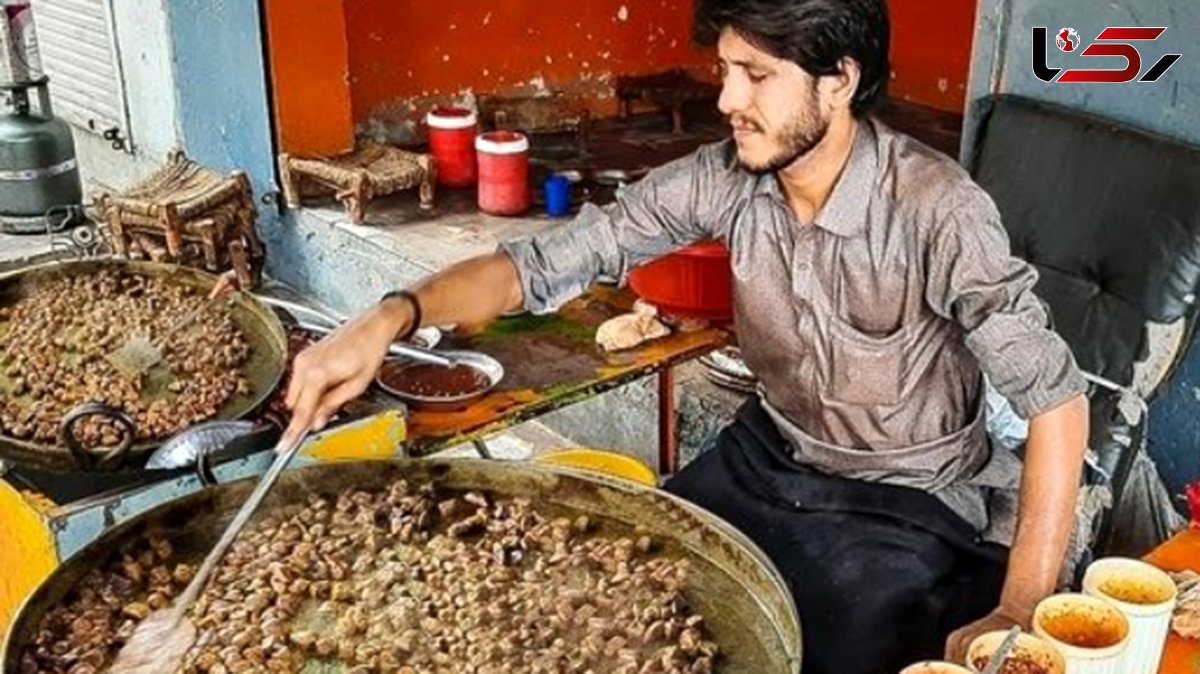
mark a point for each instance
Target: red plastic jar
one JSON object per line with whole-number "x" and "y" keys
{"x": 692, "y": 282}
{"x": 503, "y": 172}
{"x": 452, "y": 144}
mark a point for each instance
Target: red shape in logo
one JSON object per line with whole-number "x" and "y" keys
{"x": 1067, "y": 39}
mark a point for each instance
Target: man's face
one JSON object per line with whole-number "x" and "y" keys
{"x": 772, "y": 104}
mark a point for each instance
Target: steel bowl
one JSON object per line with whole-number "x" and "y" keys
{"x": 617, "y": 177}
{"x": 490, "y": 367}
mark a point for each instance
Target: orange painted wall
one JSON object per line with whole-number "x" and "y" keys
{"x": 382, "y": 63}
{"x": 406, "y": 50}
{"x": 309, "y": 76}
{"x": 931, "y": 51}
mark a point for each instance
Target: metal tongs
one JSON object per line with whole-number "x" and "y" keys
{"x": 332, "y": 322}
{"x": 397, "y": 348}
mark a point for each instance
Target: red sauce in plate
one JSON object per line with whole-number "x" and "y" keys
{"x": 434, "y": 381}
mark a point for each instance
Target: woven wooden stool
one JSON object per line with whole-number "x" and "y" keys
{"x": 670, "y": 91}
{"x": 356, "y": 178}
{"x": 189, "y": 214}
{"x": 535, "y": 115}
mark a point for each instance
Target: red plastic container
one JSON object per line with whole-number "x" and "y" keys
{"x": 503, "y": 158}
{"x": 452, "y": 144}
{"x": 693, "y": 282}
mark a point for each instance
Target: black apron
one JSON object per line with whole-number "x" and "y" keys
{"x": 881, "y": 574}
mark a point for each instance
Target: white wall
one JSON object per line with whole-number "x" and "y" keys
{"x": 143, "y": 40}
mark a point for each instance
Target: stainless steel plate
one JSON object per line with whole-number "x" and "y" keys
{"x": 182, "y": 450}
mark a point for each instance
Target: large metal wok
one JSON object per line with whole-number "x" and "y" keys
{"x": 264, "y": 370}
{"x": 744, "y": 600}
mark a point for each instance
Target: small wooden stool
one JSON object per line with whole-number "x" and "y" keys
{"x": 354, "y": 179}
{"x": 534, "y": 115}
{"x": 670, "y": 90}
{"x": 189, "y": 214}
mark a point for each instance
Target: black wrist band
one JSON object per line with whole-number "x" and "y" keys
{"x": 416, "y": 306}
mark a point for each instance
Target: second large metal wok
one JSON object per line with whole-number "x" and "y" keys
{"x": 746, "y": 604}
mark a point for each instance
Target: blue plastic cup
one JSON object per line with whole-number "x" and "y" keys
{"x": 558, "y": 195}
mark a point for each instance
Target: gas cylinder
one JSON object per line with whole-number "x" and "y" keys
{"x": 39, "y": 176}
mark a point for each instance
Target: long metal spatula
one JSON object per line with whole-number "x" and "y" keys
{"x": 411, "y": 351}
{"x": 159, "y": 643}
{"x": 139, "y": 353}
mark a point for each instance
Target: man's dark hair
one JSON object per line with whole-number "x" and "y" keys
{"x": 814, "y": 34}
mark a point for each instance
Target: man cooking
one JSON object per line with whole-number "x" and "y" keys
{"x": 874, "y": 293}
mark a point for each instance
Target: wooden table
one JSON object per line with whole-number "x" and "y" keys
{"x": 1180, "y": 553}
{"x": 553, "y": 361}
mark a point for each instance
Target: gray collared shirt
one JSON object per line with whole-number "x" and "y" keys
{"x": 870, "y": 328}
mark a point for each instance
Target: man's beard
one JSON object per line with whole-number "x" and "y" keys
{"x": 801, "y": 135}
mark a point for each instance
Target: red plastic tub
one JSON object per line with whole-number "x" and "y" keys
{"x": 452, "y": 144}
{"x": 503, "y": 172}
{"x": 692, "y": 282}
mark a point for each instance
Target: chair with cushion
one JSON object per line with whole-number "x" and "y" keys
{"x": 1110, "y": 217}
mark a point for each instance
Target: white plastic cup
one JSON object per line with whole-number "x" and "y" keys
{"x": 931, "y": 667}
{"x": 1146, "y": 596}
{"x": 1091, "y": 633}
{"x": 1028, "y": 646}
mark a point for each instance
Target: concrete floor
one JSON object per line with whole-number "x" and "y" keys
{"x": 20, "y": 249}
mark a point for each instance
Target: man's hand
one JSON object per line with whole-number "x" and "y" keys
{"x": 1001, "y": 619}
{"x": 226, "y": 284}
{"x": 340, "y": 367}
{"x": 337, "y": 369}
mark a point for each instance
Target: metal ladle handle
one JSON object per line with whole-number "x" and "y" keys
{"x": 423, "y": 355}
{"x": 283, "y": 456}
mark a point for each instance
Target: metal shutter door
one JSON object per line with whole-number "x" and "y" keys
{"x": 75, "y": 38}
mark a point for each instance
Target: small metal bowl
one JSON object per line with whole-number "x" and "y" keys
{"x": 617, "y": 177}
{"x": 490, "y": 367}
{"x": 186, "y": 446}
{"x": 611, "y": 177}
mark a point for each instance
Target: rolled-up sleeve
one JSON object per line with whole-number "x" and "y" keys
{"x": 973, "y": 278}
{"x": 669, "y": 208}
